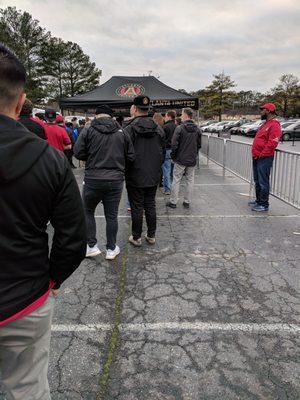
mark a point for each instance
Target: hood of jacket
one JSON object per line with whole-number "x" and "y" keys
{"x": 105, "y": 125}
{"x": 144, "y": 126}
{"x": 190, "y": 126}
{"x": 19, "y": 149}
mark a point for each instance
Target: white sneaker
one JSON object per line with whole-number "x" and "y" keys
{"x": 150, "y": 240}
{"x": 92, "y": 251}
{"x": 136, "y": 243}
{"x": 112, "y": 254}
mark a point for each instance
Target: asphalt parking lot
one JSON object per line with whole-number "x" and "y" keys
{"x": 212, "y": 311}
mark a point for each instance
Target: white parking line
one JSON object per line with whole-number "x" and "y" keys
{"x": 221, "y": 184}
{"x": 184, "y": 326}
{"x": 214, "y": 216}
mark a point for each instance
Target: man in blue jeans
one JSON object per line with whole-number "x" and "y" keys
{"x": 169, "y": 128}
{"x": 263, "y": 149}
{"x": 106, "y": 149}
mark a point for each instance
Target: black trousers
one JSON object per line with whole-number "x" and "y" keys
{"x": 109, "y": 192}
{"x": 142, "y": 199}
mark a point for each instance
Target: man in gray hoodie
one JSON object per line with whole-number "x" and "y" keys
{"x": 186, "y": 143}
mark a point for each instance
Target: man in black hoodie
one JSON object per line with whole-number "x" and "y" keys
{"x": 36, "y": 185}
{"x": 106, "y": 150}
{"x": 186, "y": 143}
{"x": 143, "y": 176}
{"x": 34, "y": 125}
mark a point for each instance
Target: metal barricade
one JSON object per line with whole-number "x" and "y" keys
{"x": 285, "y": 178}
{"x": 236, "y": 157}
{"x": 216, "y": 149}
{"x": 239, "y": 159}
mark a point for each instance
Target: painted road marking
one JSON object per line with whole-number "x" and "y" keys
{"x": 184, "y": 326}
{"x": 213, "y": 216}
{"x": 221, "y": 184}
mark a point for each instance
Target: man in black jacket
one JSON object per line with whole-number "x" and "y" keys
{"x": 36, "y": 185}
{"x": 186, "y": 143}
{"x": 106, "y": 150}
{"x": 169, "y": 128}
{"x": 142, "y": 176}
{"x": 34, "y": 125}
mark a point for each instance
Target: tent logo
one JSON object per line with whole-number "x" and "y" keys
{"x": 130, "y": 90}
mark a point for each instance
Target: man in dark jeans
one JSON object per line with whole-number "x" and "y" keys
{"x": 263, "y": 149}
{"x": 106, "y": 149}
{"x": 142, "y": 176}
{"x": 169, "y": 128}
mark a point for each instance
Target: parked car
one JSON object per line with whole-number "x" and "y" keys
{"x": 207, "y": 123}
{"x": 291, "y": 131}
{"x": 216, "y": 127}
{"x": 237, "y": 129}
{"x": 222, "y": 126}
{"x": 236, "y": 124}
{"x": 251, "y": 129}
{"x": 209, "y": 127}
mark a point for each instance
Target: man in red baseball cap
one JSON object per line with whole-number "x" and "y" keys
{"x": 263, "y": 150}
{"x": 57, "y": 136}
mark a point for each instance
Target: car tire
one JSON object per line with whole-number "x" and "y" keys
{"x": 286, "y": 137}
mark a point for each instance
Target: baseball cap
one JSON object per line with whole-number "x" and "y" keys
{"x": 142, "y": 102}
{"x": 269, "y": 106}
{"x": 104, "y": 109}
{"x": 59, "y": 119}
{"x": 50, "y": 114}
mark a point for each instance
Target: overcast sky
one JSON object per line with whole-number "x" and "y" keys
{"x": 183, "y": 42}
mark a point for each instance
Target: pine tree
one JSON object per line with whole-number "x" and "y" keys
{"x": 22, "y": 33}
{"x": 218, "y": 92}
{"x": 79, "y": 73}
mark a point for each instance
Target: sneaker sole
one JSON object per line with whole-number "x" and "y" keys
{"x": 134, "y": 244}
{"x": 93, "y": 254}
{"x": 112, "y": 258}
{"x": 149, "y": 241}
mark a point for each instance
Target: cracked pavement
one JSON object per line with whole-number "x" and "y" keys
{"x": 214, "y": 263}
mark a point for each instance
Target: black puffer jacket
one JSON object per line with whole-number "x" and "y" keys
{"x": 149, "y": 147}
{"x": 36, "y": 185}
{"x": 106, "y": 149}
{"x": 186, "y": 143}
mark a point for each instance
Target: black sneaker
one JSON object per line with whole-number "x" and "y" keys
{"x": 171, "y": 205}
{"x": 186, "y": 205}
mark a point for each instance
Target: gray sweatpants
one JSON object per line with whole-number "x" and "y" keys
{"x": 24, "y": 355}
{"x": 178, "y": 172}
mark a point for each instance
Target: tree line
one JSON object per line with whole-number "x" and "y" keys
{"x": 219, "y": 98}
{"x": 55, "y": 68}
{"x": 59, "y": 69}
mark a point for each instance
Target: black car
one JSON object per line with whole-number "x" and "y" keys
{"x": 291, "y": 132}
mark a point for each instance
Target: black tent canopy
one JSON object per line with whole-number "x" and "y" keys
{"x": 119, "y": 91}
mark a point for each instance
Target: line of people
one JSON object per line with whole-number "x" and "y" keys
{"x": 135, "y": 153}
{"x": 37, "y": 185}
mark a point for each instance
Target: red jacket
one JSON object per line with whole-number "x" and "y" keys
{"x": 56, "y": 136}
{"x": 266, "y": 139}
